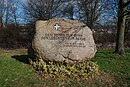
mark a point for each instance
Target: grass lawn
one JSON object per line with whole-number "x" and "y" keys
{"x": 118, "y": 66}
{"x": 16, "y": 72}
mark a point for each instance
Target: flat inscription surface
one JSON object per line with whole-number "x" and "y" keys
{"x": 76, "y": 37}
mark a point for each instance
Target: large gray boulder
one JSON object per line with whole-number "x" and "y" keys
{"x": 63, "y": 40}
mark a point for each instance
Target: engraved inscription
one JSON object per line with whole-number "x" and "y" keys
{"x": 63, "y": 37}
{"x": 73, "y": 45}
{"x": 76, "y": 37}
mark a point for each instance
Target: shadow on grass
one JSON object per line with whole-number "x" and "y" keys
{"x": 22, "y": 58}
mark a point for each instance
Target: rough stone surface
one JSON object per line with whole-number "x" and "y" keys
{"x": 63, "y": 40}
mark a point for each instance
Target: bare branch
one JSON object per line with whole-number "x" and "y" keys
{"x": 126, "y": 4}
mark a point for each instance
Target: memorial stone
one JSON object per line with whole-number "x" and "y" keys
{"x": 63, "y": 40}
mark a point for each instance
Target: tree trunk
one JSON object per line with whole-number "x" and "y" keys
{"x": 1, "y": 23}
{"x": 15, "y": 21}
{"x": 120, "y": 30}
{"x": 120, "y": 36}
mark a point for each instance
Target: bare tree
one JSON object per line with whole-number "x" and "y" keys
{"x": 41, "y": 9}
{"x": 2, "y": 11}
{"x": 68, "y": 9}
{"x": 8, "y": 4}
{"x": 122, "y": 15}
{"x": 14, "y": 13}
{"x": 6, "y": 12}
{"x": 92, "y": 10}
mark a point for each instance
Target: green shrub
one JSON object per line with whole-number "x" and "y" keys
{"x": 82, "y": 69}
